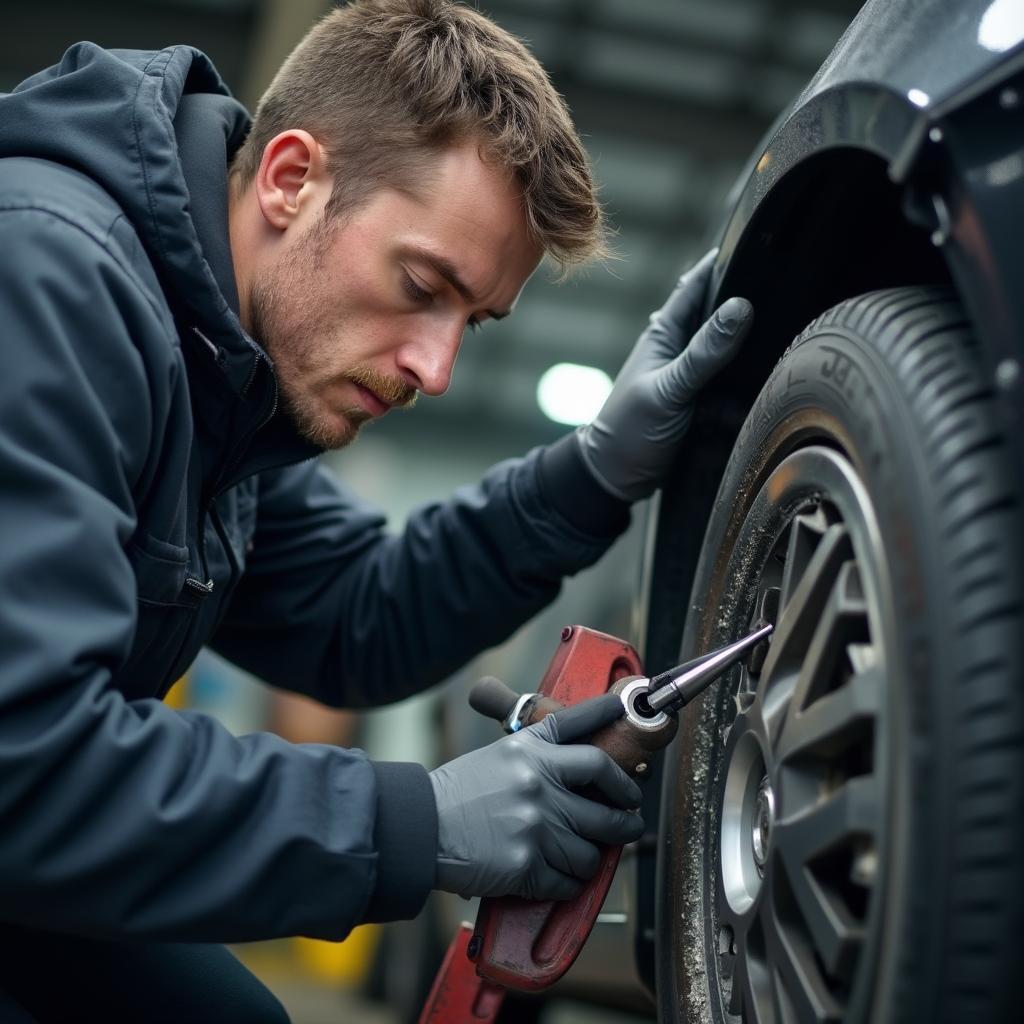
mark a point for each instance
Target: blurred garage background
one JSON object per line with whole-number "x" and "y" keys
{"x": 671, "y": 97}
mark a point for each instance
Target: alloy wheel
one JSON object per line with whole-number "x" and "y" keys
{"x": 801, "y": 785}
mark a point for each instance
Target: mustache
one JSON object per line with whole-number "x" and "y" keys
{"x": 392, "y": 390}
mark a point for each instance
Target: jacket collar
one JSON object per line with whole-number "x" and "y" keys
{"x": 156, "y": 129}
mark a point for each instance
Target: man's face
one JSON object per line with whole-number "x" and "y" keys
{"x": 360, "y": 315}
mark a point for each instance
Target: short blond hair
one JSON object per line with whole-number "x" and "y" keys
{"x": 381, "y": 83}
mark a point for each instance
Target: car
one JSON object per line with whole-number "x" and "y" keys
{"x": 840, "y": 821}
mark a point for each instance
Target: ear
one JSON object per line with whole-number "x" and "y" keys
{"x": 292, "y": 168}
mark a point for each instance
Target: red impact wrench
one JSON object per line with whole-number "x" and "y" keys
{"x": 529, "y": 944}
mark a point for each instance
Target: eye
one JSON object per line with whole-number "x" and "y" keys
{"x": 414, "y": 291}
{"x": 421, "y": 296}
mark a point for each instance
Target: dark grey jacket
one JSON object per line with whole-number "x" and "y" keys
{"x": 153, "y": 500}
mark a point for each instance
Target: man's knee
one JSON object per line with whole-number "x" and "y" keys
{"x": 219, "y": 988}
{"x": 256, "y": 1005}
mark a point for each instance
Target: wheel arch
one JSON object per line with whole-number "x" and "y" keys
{"x": 833, "y": 227}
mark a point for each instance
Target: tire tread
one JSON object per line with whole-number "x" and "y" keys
{"x": 923, "y": 336}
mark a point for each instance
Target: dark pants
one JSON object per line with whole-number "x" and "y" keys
{"x": 57, "y": 979}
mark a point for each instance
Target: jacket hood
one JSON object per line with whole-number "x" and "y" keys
{"x": 111, "y": 115}
{"x": 145, "y": 125}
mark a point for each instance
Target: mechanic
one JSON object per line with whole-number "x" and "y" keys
{"x": 192, "y": 308}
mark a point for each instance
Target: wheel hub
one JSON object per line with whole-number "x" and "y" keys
{"x": 746, "y": 828}
{"x": 764, "y": 822}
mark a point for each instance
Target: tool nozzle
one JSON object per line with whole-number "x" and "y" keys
{"x": 678, "y": 686}
{"x": 492, "y": 698}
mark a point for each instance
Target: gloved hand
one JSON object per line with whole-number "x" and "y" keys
{"x": 630, "y": 445}
{"x": 508, "y": 821}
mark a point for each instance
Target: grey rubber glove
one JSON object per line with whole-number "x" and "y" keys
{"x": 509, "y": 822}
{"x": 630, "y": 445}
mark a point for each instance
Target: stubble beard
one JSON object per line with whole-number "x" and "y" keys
{"x": 289, "y": 288}
{"x": 302, "y": 406}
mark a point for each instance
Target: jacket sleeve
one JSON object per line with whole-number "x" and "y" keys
{"x": 334, "y": 606}
{"x": 127, "y": 818}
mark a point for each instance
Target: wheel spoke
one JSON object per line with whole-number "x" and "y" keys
{"x": 783, "y": 1005}
{"x": 842, "y": 621}
{"x": 798, "y": 621}
{"x": 758, "y": 1005}
{"x": 751, "y": 986}
{"x": 823, "y": 728}
{"x": 802, "y": 994}
{"x": 741, "y": 999}
{"x": 799, "y": 615}
{"x": 836, "y": 936}
{"x": 804, "y": 536}
{"x": 849, "y": 813}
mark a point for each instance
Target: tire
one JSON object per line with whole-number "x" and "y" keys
{"x": 841, "y": 827}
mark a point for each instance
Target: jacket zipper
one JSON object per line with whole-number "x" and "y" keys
{"x": 229, "y": 468}
{"x": 199, "y": 588}
{"x": 260, "y": 358}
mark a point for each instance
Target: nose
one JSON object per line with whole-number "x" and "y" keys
{"x": 427, "y": 360}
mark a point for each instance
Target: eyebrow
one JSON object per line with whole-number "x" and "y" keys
{"x": 447, "y": 270}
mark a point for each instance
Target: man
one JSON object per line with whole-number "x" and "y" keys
{"x": 180, "y": 340}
